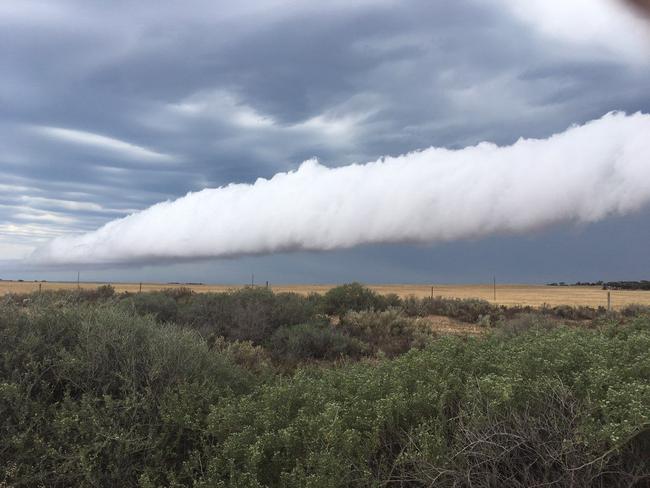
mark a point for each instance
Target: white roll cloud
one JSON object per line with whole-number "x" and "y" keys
{"x": 584, "y": 174}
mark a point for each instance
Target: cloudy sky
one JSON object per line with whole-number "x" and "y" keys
{"x": 109, "y": 107}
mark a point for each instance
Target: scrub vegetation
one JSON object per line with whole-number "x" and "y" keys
{"x": 251, "y": 388}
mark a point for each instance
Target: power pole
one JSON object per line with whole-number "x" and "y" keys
{"x": 494, "y": 287}
{"x": 78, "y": 285}
{"x": 252, "y": 279}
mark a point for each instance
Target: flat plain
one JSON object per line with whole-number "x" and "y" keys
{"x": 506, "y": 294}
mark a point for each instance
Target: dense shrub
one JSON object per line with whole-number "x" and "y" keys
{"x": 474, "y": 310}
{"x": 160, "y": 305}
{"x": 352, "y": 297}
{"x": 180, "y": 293}
{"x": 105, "y": 291}
{"x": 469, "y": 310}
{"x": 244, "y": 353}
{"x": 102, "y": 397}
{"x": 526, "y": 322}
{"x": 239, "y": 315}
{"x": 573, "y": 313}
{"x": 75, "y": 296}
{"x": 559, "y": 408}
{"x": 293, "y": 308}
{"x": 248, "y": 314}
{"x": 313, "y": 341}
{"x": 390, "y": 331}
{"x": 101, "y": 393}
{"x": 635, "y": 310}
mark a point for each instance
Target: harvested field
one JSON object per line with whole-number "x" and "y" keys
{"x": 533, "y": 295}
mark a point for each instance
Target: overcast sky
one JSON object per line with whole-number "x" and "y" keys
{"x": 109, "y": 107}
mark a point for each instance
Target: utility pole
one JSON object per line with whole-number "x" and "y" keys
{"x": 141, "y": 287}
{"x": 494, "y": 287}
{"x": 252, "y": 279}
{"x": 78, "y": 285}
{"x": 432, "y": 293}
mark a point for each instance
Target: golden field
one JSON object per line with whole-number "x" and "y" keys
{"x": 534, "y": 295}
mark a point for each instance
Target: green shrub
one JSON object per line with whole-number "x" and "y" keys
{"x": 390, "y": 300}
{"x": 313, "y": 341}
{"x": 562, "y": 407}
{"x": 61, "y": 297}
{"x": 245, "y": 354}
{"x": 526, "y": 322}
{"x": 161, "y": 306}
{"x": 180, "y": 293}
{"x": 634, "y": 310}
{"x": 390, "y": 331}
{"x": 293, "y": 308}
{"x": 470, "y": 310}
{"x": 101, "y": 397}
{"x": 249, "y": 314}
{"x": 105, "y": 291}
{"x": 97, "y": 395}
{"x": 351, "y": 297}
{"x": 575, "y": 313}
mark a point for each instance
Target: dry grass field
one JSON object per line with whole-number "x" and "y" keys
{"x": 535, "y": 295}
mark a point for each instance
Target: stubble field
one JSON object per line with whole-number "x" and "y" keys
{"x": 507, "y": 294}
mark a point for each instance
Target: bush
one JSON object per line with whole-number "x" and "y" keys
{"x": 293, "y": 309}
{"x": 313, "y": 341}
{"x": 97, "y": 395}
{"x": 635, "y": 310}
{"x": 539, "y": 446}
{"x": 249, "y": 314}
{"x": 102, "y": 397}
{"x": 245, "y": 354}
{"x": 470, "y": 310}
{"x": 105, "y": 291}
{"x": 391, "y": 331}
{"x": 101, "y": 294}
{"x": 564, "y": 407}
{"x": 525, "y": 323}
{"x": 162, "y": 307}
{"x": 574, "y": 313}
{"x": 351, "y": 297}
{"x": 180, "y": 293}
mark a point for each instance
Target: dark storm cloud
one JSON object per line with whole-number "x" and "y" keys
{"x": 233, "y": 92}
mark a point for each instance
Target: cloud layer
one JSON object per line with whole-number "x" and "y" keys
{"x": 110, "y": 108}
{"x": 584, "y": 174}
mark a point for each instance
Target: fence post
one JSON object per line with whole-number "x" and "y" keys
{"x": 609, "y": 301}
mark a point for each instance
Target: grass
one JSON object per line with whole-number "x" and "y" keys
{"x": 510, "y": 295}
